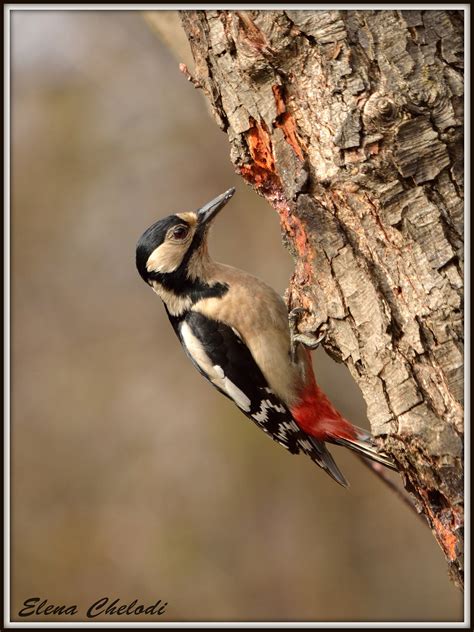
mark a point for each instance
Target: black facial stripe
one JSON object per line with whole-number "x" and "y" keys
{"x": 179, "y": 283}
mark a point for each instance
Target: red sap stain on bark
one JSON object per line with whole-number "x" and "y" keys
{"x": 444, "y": 525}
{"x": 261, "y": 171}
{"x": 296, "y": 229}
{"x": 260, "y": 146}
{"x": 286, "y": 122}
{"x": 447, "y": 539}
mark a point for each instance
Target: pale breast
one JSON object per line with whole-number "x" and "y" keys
{"x": 260, "y": 316}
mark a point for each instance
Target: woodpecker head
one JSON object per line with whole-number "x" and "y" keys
{"x": 173, "y": 251}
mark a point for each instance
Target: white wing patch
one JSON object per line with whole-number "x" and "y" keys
{"x": 219, "y": 370}
{"x": 239, "y": 397}
{"x": 214, "y": 372}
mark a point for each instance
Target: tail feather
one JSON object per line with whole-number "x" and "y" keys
{"x": 320, "y": 454}
{"x": 365, "y": 445}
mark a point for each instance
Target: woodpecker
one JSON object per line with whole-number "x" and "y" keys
{"x": 236, "y": 331}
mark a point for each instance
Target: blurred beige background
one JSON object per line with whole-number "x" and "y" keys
{"x": 131, "y": 477}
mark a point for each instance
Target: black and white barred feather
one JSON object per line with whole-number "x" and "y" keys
{"x": 222, "y": 357}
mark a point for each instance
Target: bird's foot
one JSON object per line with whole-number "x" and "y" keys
{"x": 310, "y": 341}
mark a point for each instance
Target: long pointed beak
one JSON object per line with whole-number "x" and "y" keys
{"x": 207, "y": 212}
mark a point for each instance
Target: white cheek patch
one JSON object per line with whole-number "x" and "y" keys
{"x": 214, "y": 372}
{"x": 166, "y": 258}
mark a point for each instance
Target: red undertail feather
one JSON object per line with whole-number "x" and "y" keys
{"x": 315, "y": 414}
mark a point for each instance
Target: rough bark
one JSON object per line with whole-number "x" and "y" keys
{"x": 350, "y": 124}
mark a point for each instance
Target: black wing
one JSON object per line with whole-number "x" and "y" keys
{"x": 219, "y": 353}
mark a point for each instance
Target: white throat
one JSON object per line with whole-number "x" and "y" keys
{"x": 175, "y": 304}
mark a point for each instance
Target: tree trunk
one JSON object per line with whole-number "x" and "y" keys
{"x": 350, "y": 124}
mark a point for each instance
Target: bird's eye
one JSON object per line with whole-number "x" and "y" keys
{"x": 180, "y": 232}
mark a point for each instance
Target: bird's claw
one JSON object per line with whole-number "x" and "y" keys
{"x": 310, "y": 341}
{"x": 295, "y": 315}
